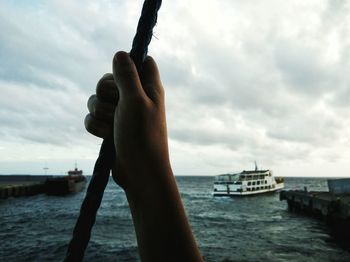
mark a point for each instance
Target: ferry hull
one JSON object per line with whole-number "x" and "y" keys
{"x": 248, "y": 193}
{"x": 63, "y": 186}
{"x": 246, "y": 183}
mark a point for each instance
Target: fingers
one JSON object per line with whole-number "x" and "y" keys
{"x": 106, "y": 89}
{"x": 101, "y": 107}
{"x": 97, "y": 127}
{"x": 101, "y": 110}
{"x": 126, "y": 76}
{"x": 151, "y": 82}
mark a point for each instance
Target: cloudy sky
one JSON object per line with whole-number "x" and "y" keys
{"x": 245, "y": 80}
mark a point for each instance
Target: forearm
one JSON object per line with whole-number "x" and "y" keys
{"x": 162, "y": 229}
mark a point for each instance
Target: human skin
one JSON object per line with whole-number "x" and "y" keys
{"x": 132, "y": 110}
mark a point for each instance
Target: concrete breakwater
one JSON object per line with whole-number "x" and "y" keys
{"x": 21, "y": 185}
{"x": 28, "y": 185}
{"x": 331, "y": 208}
{"x": 319, "y": 204}
{"x": 21, "y": 190}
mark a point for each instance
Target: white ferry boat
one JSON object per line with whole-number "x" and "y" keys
{"x": 247, "y": 183}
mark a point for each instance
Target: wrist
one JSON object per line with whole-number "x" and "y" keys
{"x": 150, "y": 183}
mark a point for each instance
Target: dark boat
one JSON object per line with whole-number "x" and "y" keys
{"x": 63, "y": 185}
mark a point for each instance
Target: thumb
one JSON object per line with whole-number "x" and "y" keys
{"x": 125, "y": 75}
{"x": 151, "y": 83}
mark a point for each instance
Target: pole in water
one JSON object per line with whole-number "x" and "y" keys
{"x": 104, "y": 162}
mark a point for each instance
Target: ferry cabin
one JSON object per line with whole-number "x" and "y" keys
{"x": 246, "y": 183}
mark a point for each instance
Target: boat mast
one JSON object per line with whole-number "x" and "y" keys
{"x": 45, "y": 168}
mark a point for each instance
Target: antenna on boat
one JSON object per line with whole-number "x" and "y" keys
{"x": 256, "y": 166}
{"x": 45, "y": 168}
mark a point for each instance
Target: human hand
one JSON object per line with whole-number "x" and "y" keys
{"x": 132, "y": 110}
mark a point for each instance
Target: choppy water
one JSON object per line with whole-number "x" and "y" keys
{"x": 257, "y": 228}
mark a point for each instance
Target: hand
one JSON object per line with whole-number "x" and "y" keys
{"x": 132, "y": 111}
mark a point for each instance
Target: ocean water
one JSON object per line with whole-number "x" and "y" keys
{"x": 256, "y": 228}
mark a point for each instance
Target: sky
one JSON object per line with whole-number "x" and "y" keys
{"x": 245, "y": 81}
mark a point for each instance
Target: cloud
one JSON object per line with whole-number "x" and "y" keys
{"x": 273, "y": 69}
{"x": 244, "y": 80}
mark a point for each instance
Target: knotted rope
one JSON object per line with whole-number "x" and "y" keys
{"x": 104, "y": 162}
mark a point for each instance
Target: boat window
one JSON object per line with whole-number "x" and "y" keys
{"x": 248, "y": 189}
{"x": 253, "y": 183}
{"x": 258, "y": 182}
{"x": 222, "y": 178}
{"x": 269, "y": 187}
{"x": 265, "y": 181}
{"x": 227, "y": 178}
{"x": 249, "y": 183}
{"x": 262, "y": 176}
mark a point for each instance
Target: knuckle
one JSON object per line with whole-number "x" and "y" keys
{"x": 108, "y": 91}
{"x": 108, "y": 76}
{"x": 91, "y": 102}
{"x": 99, "y": 114}
{"x": 89, "y": 125}
{"x": 104, "y": 78}
{"x": 104, "y": 112}
{"x": 96, "y": 128}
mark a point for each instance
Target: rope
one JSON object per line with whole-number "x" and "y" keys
{"x": 144, "y": 32}
{"x": 104, "y": 162}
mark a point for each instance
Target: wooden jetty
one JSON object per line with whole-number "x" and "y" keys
{"x": 332, "y": 206}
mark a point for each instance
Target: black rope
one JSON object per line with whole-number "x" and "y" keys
{"x": 104, "y": 162}
{"x": 144, "y": 32}
{"x": 91, "y": 202}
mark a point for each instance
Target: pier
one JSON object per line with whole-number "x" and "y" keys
{"x": 21, "y": 185}
{"x": 21, "y": 190}
{"x": 331, "y": 206}
{"x": 30, "y": 185}
{"x": 319, "y": 204}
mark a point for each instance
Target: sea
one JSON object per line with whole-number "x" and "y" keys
{"x": 255, "y": 228}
